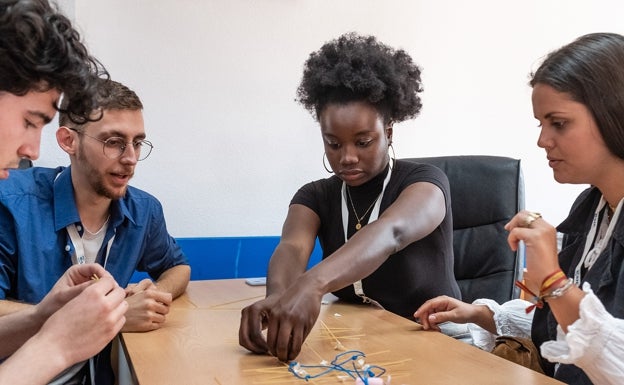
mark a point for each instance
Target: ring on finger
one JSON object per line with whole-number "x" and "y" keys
{"x": 530, "y": 218}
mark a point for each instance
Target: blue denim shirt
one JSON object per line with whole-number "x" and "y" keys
{"x": 36, "y": 206}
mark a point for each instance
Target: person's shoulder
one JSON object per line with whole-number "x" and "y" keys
{"x": 409, "y": 172}
{"x": 409, "y": 167}
{"x": 415, "y": 165}
{"x": 28, "y": 180}
{"x": 138, "y": 195}
{"x": 322, "y": 184}
{"x": 140, "y": 204}
{"x": 317, "y": 191}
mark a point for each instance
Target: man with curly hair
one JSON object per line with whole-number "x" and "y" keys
{"x": 41, "y": 56}
{"x": 384, "y": 225}
{"x": 88, "y": 212}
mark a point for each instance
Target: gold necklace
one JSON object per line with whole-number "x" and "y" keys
{"x": 359, "y": 219}
{"x": 101, "y": 227}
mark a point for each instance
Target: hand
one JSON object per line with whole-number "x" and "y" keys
{"x": 88, "y": 322}
{"x": 76, "y": 279}
{"x": 540, "y": 240}
{"x": 443, "y": 309}
{"x": 289, "y": 318}
{"x": 147, "y": 310}
{"x": 254, "y": 319}
{"x": 145, "y": 284}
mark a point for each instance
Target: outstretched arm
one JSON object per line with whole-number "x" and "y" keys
{"x": 287, "y": 264}
{"x": 291, "y": 256}
{"x": 418, "y": 211}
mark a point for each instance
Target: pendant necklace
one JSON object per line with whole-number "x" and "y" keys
{"x": 374, "y": 214}
{"x": 358, "y": 218}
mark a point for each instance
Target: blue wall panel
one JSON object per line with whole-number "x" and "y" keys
{"x": 230, "y": 257}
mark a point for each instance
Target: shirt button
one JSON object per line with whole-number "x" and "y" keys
{"x": 79, "y": 228}
{"x": 67, "y": 247}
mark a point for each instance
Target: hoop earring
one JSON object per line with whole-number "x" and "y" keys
{"x": 392, "y": 157}
{"x": 324, "y": 165}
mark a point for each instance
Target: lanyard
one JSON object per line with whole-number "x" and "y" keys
{"x": 79, "y": 258}
{"x": 357, "y": 286}
{"x": 598, "y": 237}
{"x": 76, "y": 240}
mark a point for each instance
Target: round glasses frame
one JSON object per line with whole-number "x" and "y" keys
{"x": 114, "y": 147}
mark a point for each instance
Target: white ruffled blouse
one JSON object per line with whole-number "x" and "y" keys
{"x": 594, "y": 342}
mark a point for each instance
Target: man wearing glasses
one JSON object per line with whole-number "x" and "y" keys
{"x": 53, "y": 218}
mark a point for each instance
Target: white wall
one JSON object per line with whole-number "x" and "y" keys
{"x": 218, "y": 80}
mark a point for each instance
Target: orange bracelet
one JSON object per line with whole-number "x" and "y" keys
{"x": 554, "y": 284}
{"x": 552, "y": 279}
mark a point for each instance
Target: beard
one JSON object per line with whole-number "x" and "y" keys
{"x": 98, "y": 186}
{"x": 96, "y": 179}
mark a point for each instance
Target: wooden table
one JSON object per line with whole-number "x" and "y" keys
{"x": 199, "y": 345}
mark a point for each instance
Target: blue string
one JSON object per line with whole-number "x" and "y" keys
{"x": 338, "y": 364}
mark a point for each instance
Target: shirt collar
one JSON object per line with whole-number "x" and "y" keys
{"x": 581, "y": 215}
{"x": 65, "y": 210}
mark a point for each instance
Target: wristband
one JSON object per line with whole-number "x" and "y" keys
{"x": 551, "y": 280}
{"x": 558, "y": 292}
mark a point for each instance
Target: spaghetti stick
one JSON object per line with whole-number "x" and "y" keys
{"x": 339, "y": 345}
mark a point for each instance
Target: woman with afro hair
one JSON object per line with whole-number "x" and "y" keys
{"x": 384, "y": 225}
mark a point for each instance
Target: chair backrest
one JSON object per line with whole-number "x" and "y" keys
{"x": 486, "y": 192}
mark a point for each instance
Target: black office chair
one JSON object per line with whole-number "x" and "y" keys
{"x": 486, "y": 192}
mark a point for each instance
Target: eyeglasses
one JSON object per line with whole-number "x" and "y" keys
{"x": 114, "y": 147}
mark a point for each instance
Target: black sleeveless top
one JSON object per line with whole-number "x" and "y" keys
{"x": 421, "y": 271}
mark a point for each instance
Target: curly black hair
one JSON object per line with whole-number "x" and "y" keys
{"x": 40, "y": 50}
{"x": 360, "y": 68}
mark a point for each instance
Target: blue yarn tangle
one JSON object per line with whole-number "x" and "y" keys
{"x": 344, "y": 362}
